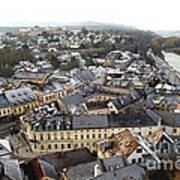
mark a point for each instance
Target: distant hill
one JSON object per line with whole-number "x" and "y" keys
{"x": 10, "y": 29}
{"x": 14, "y": 27}
{"x": 165, "y": 33}
{"x": 101, "y": 25}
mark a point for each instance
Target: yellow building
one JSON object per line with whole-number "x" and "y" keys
{"x": 64, "y": 133}
{"x": 16, "y": 102}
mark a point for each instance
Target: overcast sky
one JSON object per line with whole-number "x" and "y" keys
{"x": 143, "y": 14}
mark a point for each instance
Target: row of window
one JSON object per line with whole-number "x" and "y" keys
{"x": 82, "y": 136}
{"x": 88, "y": 136}
{"x": 64, "y": 146}
{"x": 22, "y": 108}
{"x": 19, "y": 109}
{"x": 139, "y": 160}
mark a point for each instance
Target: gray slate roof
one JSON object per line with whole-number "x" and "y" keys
{"x": 133, "y": 171}
{"x": 90, "y": 121}
{"x": 29, "y": 75}
{"x": 73, "y": 100}
{"x": 169, "y": 118}
{"x": 21, "y": 95}
{"x": 86, "y": 171}
{"x": 61, "y": 160}
{"x": 154, "y": 116}
{"x": 131, "y": 118}
{"x": 85, "y": 75}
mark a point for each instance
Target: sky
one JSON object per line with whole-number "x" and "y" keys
{"x": 142, "y": 14}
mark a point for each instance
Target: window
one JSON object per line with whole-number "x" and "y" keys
{"x": 41, "y": 137}
{"x": 34, "y": 137}
{"x": 76, "y": 145}
{"x": 62, "y": 146}
{"x": 42, "y": 147}
{"x": 139, "y": 150}
{"x": 55, "y": 146}
{"x": 82, "y": 145}
{"x": 62, "y": 136}
{"x": 87, "y": 144}
{"x": 76, "y": 137}
{"x": 69, "y": 146}
{"x": 175, "y": 131}
{"x": 55, "y": 136}
{"x": 105, "y": 135}
{"x": 49, "y": 146}
{"x": 82, "y": 137}
{"x": 49, "y": 137}
{"x": 133, "y": 161}
{"x": 87, "y": 136}
{"x": 69, "y": 135}
{"x": 99, "y": 136}
{"x": 93, "y": 136}
{"x": 139, "y": 160}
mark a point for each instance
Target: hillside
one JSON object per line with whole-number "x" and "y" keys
{"x": 170, "y": 44}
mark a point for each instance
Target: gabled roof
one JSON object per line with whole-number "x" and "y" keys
{"x": 61, "y": 160}
{"x": 4, "y": 102}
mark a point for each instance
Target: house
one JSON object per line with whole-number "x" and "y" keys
{"x": 122, "y": 143}
{"x": 91, "y": 170}
{"x": 20, "y": 100}
{"x": 70, "y": 132}
{"x": 65, "y": 160}
{"x": 124, "y": 102}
